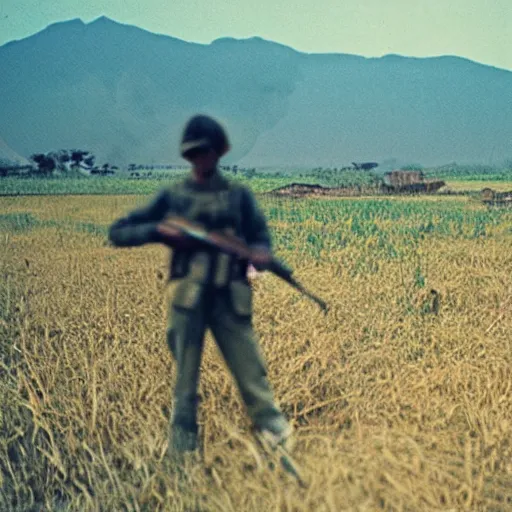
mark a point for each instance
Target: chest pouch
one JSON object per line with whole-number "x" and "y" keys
{"x": 199, "y": 266}
{"x": 187, "y": 295}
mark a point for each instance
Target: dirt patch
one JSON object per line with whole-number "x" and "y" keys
{"x": 308, "y": 190}
{"x": 305, "y": 189}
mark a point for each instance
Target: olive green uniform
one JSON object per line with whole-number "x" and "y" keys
{"x": 212, "y": 292}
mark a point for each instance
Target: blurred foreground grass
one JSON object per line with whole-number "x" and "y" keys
{"x": 401, "y": 396}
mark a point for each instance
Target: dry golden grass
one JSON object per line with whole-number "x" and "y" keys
{"x": 396, "y": 408}
{"x": 501, "y": 186}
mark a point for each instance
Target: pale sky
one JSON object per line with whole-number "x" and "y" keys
{"x": 480, "y": 30}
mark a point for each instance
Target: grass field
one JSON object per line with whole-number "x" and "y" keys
{"x": 264, "y": 183}
{"x": 110, "y": 186}
{"x": 401, "y": 396}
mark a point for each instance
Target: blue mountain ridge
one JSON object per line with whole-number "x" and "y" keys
{"x": 125, "y": 93}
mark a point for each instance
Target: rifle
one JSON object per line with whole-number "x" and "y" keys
{"x": 231, "y": 244}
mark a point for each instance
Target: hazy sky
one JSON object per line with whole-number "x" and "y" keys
{"x": 477, "y": 29}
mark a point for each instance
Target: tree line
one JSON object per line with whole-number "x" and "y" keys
{"x": 67, "y": 160}
{"x": 61, "y": 161}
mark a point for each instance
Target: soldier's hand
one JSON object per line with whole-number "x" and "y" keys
{"x": 260, "y": 258}
{"x": 252, "y": 273}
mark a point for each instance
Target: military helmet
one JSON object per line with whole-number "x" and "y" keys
{"x": 203, "y": 132}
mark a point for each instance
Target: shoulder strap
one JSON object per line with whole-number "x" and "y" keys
{"x": 236, "y": 202}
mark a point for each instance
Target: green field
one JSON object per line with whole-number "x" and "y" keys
{"x": 124, "y": 186}
{"x": 110, "y": 186}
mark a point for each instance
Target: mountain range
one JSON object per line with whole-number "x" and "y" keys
{"x": 124, "y": 94}
{"x": 9, "y": 157}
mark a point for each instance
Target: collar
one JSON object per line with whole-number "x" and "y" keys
{"x": 214, "y": 183}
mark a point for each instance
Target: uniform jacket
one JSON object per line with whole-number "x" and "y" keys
{"x": 218, "y": 204}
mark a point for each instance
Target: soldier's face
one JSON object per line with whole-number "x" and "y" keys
{"x": 204, "y": 162}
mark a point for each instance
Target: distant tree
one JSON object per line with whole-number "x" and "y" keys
{"x": 8, "y": 168}
{"x": 45, "y": 164}
{"x": 89, "y": 161}
{"x": 132, "y": 167}
{"x": 63, "y": 156}
{"x": 77, "y": 156}
{"x": 5, "y": 167}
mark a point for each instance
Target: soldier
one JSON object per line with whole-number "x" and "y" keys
{"x": 212, "y": 290}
